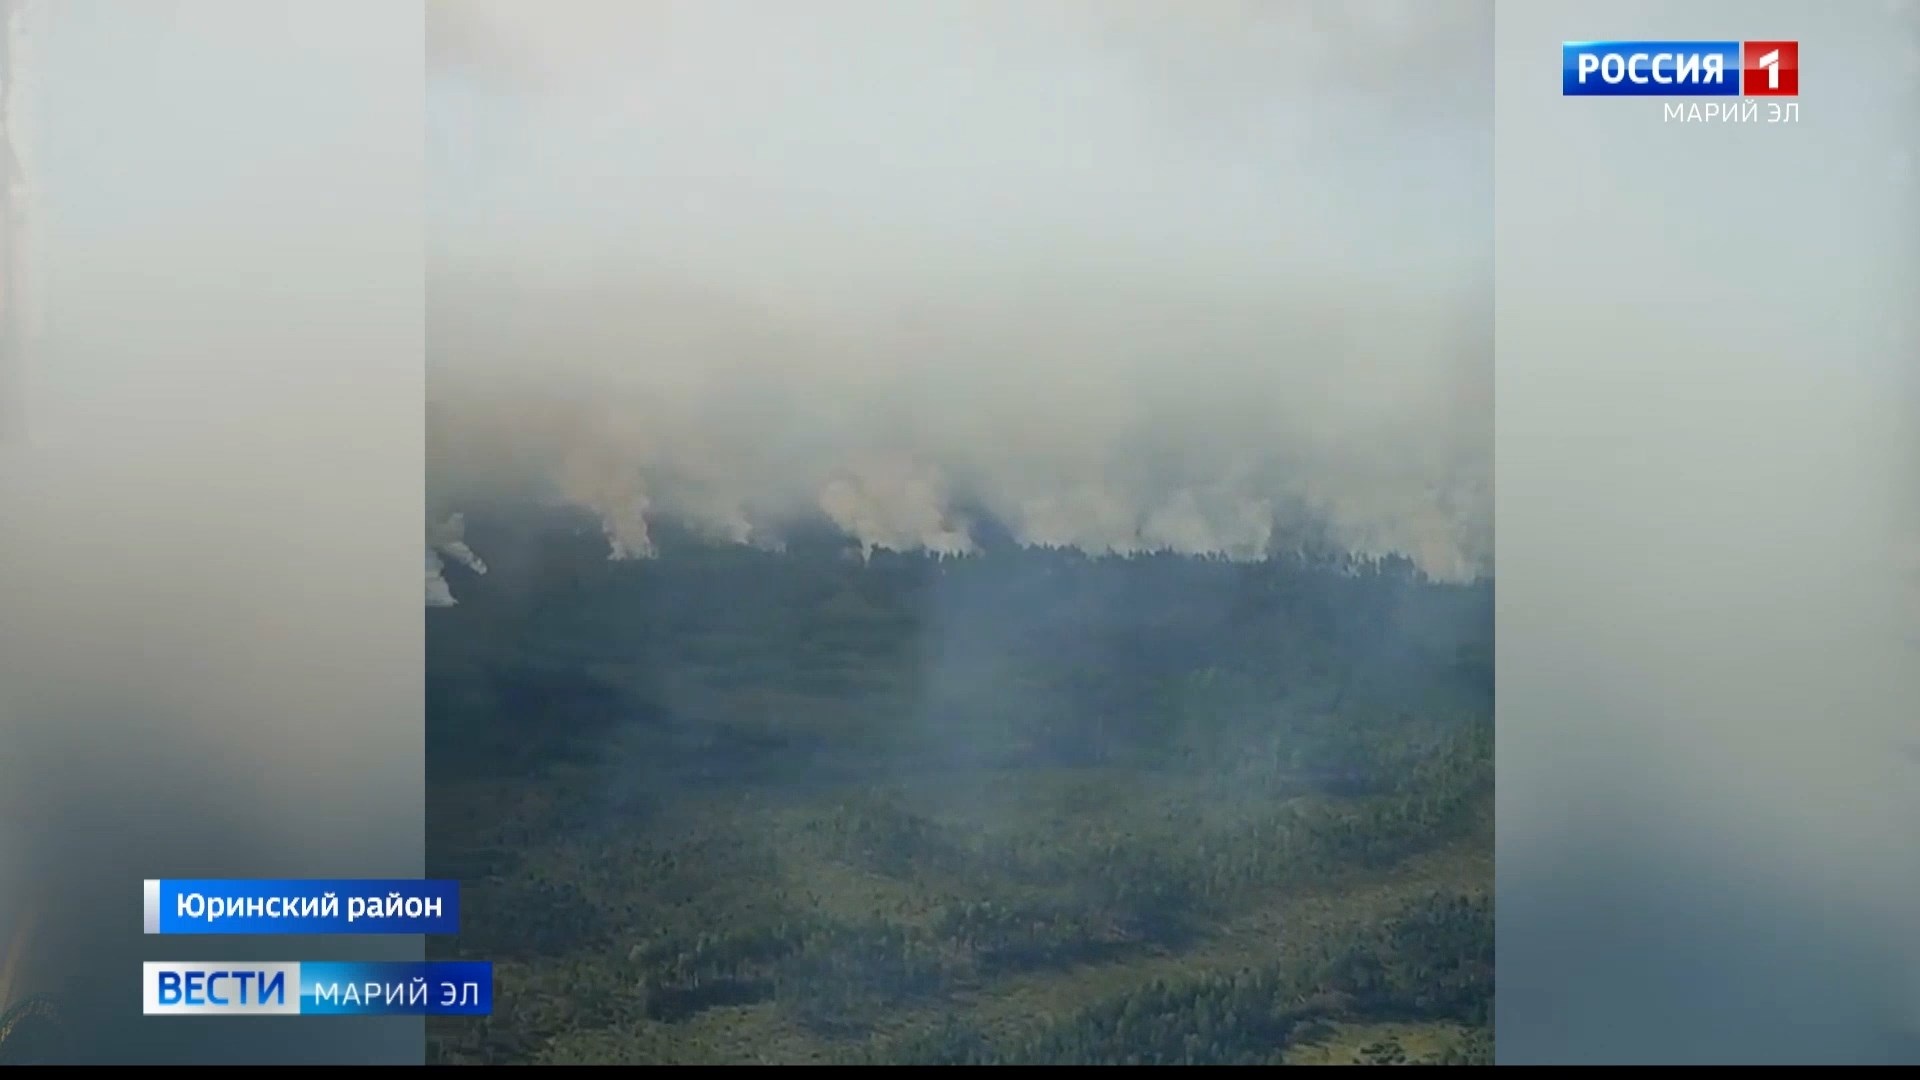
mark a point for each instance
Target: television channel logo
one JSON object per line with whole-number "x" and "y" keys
{"x": 205, "y": 989}
{"x": 1674, "y": 69}
{"x": 1752, "y": 73}
{"x": 322, "y": 988}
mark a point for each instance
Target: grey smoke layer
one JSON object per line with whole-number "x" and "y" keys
{"x": 1118, "y": 276}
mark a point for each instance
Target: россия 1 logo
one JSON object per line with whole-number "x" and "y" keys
{"x": 1745, "y": 71}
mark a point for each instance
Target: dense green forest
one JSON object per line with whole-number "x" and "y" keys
{"x": 810, "y": 805}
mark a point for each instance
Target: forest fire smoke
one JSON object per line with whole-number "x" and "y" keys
{"x": 1084, "y": 280}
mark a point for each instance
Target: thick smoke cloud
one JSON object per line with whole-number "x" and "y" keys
{"x": 1211, "y": 277}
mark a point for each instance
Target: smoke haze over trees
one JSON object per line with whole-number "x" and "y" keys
{"x": 1078, "y": 272}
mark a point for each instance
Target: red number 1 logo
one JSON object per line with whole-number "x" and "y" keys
{"x": 1770, "y": 69}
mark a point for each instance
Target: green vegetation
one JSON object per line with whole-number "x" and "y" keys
{"x": 738, "y": 806}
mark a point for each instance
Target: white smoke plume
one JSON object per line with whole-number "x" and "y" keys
{"x": 447, "y": 540}
{"x": 1208, "y": 277}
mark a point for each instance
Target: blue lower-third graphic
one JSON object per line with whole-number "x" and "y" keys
{"x": 317, "y": 988}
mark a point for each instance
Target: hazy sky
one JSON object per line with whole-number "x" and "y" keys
{"x": 1115, "y": 275}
